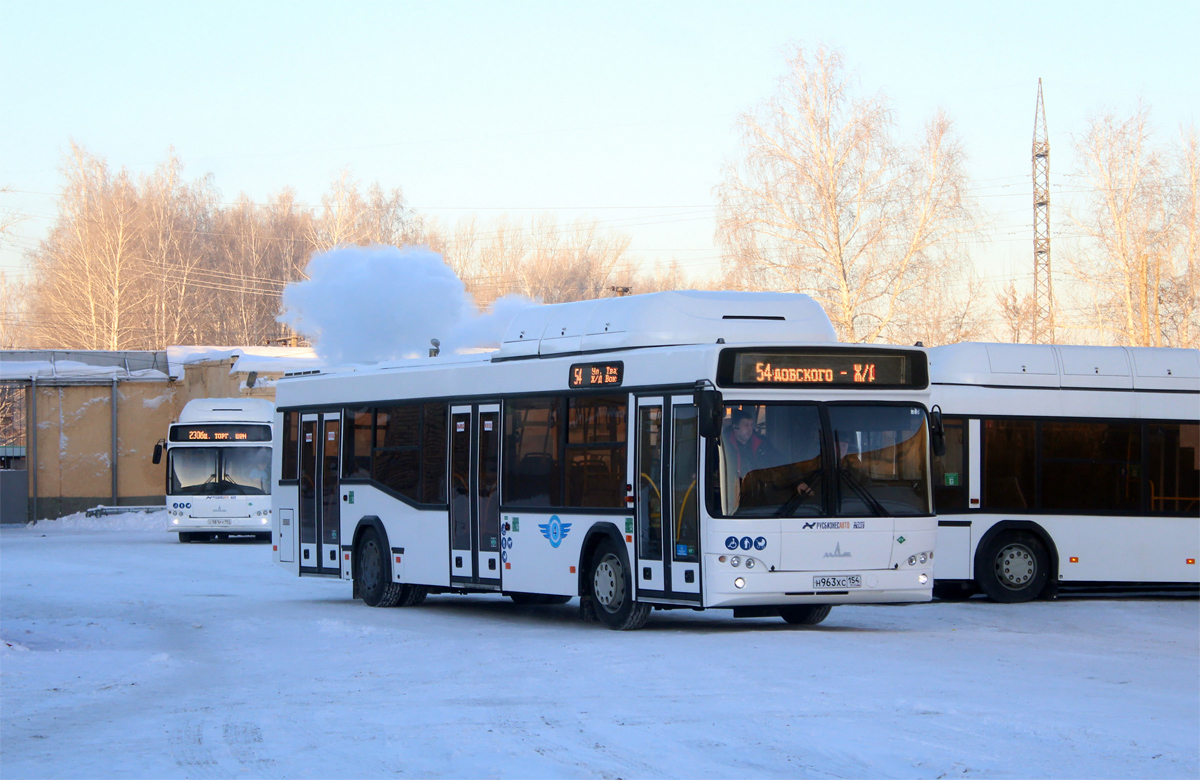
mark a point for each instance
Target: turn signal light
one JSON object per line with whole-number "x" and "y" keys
{"x": 1191, "y": 561}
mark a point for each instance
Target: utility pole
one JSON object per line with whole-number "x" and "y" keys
{"x": 1043, "y": 290}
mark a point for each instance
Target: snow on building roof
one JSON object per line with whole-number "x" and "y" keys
{"x": 81, "y": 365}
{"x": 665, "y": 319}
{"x": 264, "y": 360}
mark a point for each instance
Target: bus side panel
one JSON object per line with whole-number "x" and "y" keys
{"x": 1151, "y": 549}
{"x": 953, "y": 553}
{"x": 545, "y": 551}
{"x": 422, "y": 534}
{"x": 285, "y": 504}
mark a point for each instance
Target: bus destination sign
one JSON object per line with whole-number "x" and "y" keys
{"x": 220, "y": 433}
{"x": 597, "y": 374}
{"x": 829, "y": 369}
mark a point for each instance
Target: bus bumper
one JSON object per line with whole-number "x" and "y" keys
{"x": 776, "y": 588}
{"x": 240, "y": 525}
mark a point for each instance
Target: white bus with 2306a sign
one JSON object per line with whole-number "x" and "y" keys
{"x": 672, "y": 450}
{"x": 219, "y": 468}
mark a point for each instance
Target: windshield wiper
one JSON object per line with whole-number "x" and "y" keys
{"x": 864, "y": 494}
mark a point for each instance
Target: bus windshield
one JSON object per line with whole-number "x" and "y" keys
{"x": 780, "y": 460}
{"x": 220, "y": 471}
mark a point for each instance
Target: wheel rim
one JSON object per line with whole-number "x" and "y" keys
{"x": 370, "y": 565}
{"x": 608, "y": 583}
{"x": 1016, "y": 566}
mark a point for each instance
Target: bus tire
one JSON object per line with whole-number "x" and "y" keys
{"x": 371, "y": 572}
{"x": 612, "y": 590}
{"x": 186, "y": 536}
{"x": 1014, "y": 568}
{"x": 805, "y": 614}
{"x": 412, "y": 595}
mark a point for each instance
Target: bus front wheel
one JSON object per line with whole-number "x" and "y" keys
{"x": 370, "y": 571}
{"x": 805, "y": 614}
{"x": 612, "y": 590}
{"x": 1014, "y": 568}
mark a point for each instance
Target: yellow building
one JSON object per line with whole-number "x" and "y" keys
{"x": 91, "y": 419}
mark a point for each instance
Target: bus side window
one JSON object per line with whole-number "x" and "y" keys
{"x": 532, "y": 465}
{"x": 596, "y": 461}
{"x": 291, "y": 445}
{"x": 1008, "y": 464}
{"x": 433, "y": 454}
{"x": 950, "y": 471}
{"x": 396, "y": 459}
{"x": 1173, "y": 468}
{"x": 1089, "y": 467}
{"x": 356, "y": 444}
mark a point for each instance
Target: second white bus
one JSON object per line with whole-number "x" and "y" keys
{"x": 219, "y": 469}
{"x": 1066, "y": 465}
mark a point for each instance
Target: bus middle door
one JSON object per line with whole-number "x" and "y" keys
{"x": 475, "y": 537}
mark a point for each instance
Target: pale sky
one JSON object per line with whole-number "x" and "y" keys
{"x": 619, "y": 111}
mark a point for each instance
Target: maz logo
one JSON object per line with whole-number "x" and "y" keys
{"x": 555, "y": 530}
{"x": 837, "y": 552}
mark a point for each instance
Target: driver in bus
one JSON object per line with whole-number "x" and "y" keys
{"x": 754, "y": 453}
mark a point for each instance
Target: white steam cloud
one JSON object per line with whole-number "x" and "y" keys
{"x": 367, "y": 304}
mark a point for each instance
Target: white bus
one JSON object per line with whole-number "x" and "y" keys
{"x": 671, "y": 450}
{"x": 219, "y": 468}
{"x": 1066, "y": 465}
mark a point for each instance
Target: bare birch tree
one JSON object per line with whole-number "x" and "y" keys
{"x": 175, "y": 237}
{"x": 1017, "y": 313}
{"x": 825, "y": 201}
{"x": 90, "y": 276}
{"x": 349, "y": 216}
{"x": 1138, "y": 225}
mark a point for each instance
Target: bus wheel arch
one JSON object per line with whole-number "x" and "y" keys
{"x": 1030, "y": 545}
{"x": 384, "y": 593}
{"x": 595, "y": 535}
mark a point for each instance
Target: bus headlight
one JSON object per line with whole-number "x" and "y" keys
{"x": 264, "y": 521}
{"x": 922, "y": 558}
{"x": 175, "y": 521}
{"x": 912, "y": 560}
{"x": 749, "y": 563}
{"x": 739, "y": 583}
{"x": 923, "y": 578}
{"x": 735, "y": 560}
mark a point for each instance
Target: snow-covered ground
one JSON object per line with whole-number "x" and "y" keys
{"x": 126, "y": 654}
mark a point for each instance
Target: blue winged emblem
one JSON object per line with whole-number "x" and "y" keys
{"x": 555, "y": 530}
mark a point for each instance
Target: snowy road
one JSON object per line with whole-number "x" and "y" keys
{"x": 134, "y": 656}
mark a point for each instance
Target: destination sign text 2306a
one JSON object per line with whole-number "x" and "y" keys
{"x": 597, "y": 374}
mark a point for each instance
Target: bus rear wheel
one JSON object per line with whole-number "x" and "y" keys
{"x": 805, "y": 614}
{"x": 370, "y": 571}
{"x": 612, "y": 590}
{"x": 1014, "y": 568}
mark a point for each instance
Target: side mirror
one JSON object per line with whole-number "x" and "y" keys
{"x": 710, "y": 406}
{"x": 158, "y": 451}
{"x": 937, "y": 432}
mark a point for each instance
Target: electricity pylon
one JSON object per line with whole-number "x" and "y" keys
{"x": 1043, "y": 290}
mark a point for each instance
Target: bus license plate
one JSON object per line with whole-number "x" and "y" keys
{"x": 218, "y": 521}
{"x": 836, "y": 581}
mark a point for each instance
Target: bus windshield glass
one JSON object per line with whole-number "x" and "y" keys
{"x": 780, "y": 460}
{"x": 220, "y": 471}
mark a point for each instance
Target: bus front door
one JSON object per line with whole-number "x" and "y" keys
{"x": 667, "y": 499}
{"x": 320, "y": 510}
{"x": 475, "y": 495}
